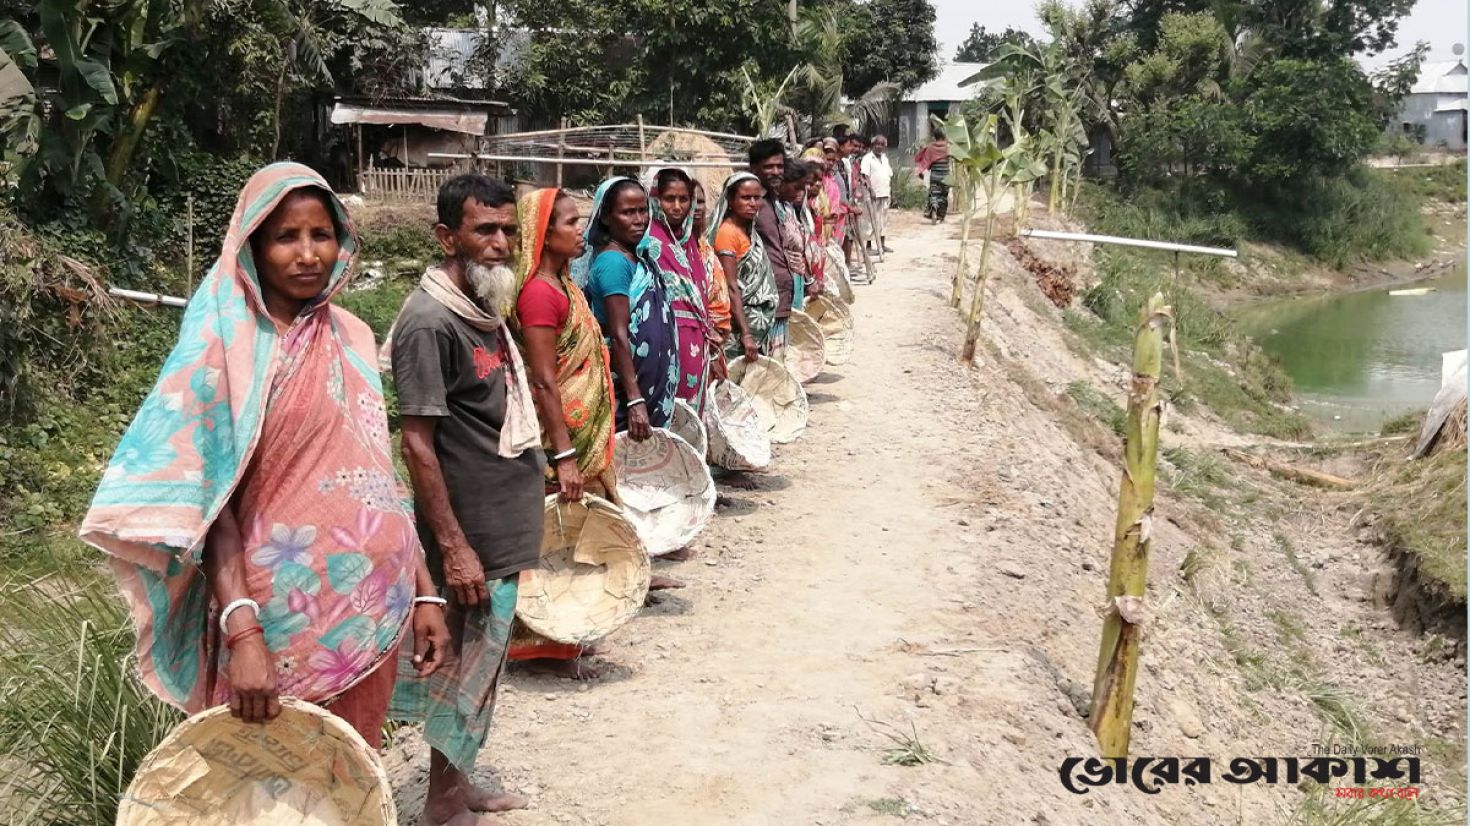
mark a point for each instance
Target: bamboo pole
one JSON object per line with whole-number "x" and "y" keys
{"x": 561, "y": 152}
{"x": 581, "y": 161}
{"x": 189, "y": 241}
{"x": 1117, "y": 662}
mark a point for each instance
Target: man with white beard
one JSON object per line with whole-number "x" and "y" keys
{"x": 473, "y": 448}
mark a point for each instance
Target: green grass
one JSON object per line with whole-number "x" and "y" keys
{"x": 890, "y": 806}
{"x": 1288, "y": 550}
{"x": 1099, "y": 405}
{"x": 1289, "y": 627}
{"x": 1199, "y": 475}
{"x": 1364, "y": 215}
{"x": 1440, "y": 183}
{"x": 71, "y": 714}
{"x": 1422, "y": 503}
{"x": 1223, "y": 369}
{"x": 1402, "y": 424}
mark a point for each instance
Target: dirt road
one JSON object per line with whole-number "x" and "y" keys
{"x": 928, "y": 558}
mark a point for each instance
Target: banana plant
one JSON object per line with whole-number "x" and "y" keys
{"x": 973, "y": 149}
{"x": 764, "y": 104}
{"x": 1008, "y": 167}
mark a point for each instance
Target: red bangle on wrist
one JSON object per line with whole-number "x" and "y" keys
{"x": 242, "y": 634}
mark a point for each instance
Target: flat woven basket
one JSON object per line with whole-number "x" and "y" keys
{"x": 806, "y": 347}
{"x": 835, "y": 319}
{"x": 593, "y": 575}
{"x": 307, "y": 766}
{"x": 665, "y": 488}
{"x": 836, "y": 272}
{"x": 737, "y": 437}
{"x": 687, "y": 425}
{"x": 776, "y": 394}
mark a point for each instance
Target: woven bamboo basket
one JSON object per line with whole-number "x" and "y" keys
{"x": 737, "y": 437}
{"x": 592, "y": 577}
{"x": 836, "y": 274}
{"x": 307, "y": 766}
{"x": 666, "y": 489}
{"x": 806, "y": 347}
{"x": 776, "y": 395}
{"x": 687, "y": 425}
{"x": 835, "y": 319}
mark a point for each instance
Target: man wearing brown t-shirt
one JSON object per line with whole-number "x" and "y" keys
{"x": 472, "y": 446}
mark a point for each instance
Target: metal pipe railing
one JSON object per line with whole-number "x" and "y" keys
{"x": 1127, "y": 242}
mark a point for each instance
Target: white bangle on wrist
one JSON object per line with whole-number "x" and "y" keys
{"x": 439, "y": 601}
{"x": 224, "y": 615}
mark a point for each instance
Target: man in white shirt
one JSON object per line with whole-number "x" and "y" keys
{"x": 878, "y": 176}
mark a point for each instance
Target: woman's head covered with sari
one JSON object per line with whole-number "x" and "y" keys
{"x": 721, "y": 207}
{"x": 188, "y": 448}
{"x": 582, "y": 374}
{"x": 178, "y": 461}
{"x": 596, "y": 232}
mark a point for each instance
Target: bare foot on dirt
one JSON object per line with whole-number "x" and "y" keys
{"x": 659, "y": 582}
{"x": 451, "y": 809}
{"x": 576, "y": 669}
{"x": 683, "y": 554}
{"x": 738, "y": 480}
{"x": 484, "y": 800}
{"x": 463, "y": 817}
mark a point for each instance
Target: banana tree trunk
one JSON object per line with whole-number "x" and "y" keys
{"x": 977, "y": 301}
{"x": 1117, "y": 663}
{"x": 1056, "y": 184}
{"x": 121, "y": 156}
{"x": 967, "y": 193}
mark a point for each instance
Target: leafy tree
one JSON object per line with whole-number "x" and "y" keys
{"x": 1308, "y": 117}
{"x": 1393, "y": 82}
{"x": 1190, "y": 59}
{"x": 1185, "y": 138}
{"x": 889, "y": 41}
{"x": 594, "y": 61}
{"x": 980, "y": 45}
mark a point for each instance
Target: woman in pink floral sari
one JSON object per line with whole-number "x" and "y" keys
{"x": 252, "y": 514}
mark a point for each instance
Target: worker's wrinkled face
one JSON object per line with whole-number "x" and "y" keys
{"x": 626, "y": 219}
{"x": 296, "y": 247}
{"x": 880, "y": 145}
{"x": 486, "y": 235}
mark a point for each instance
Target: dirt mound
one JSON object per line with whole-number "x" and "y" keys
{"x": 1057, "y": 283}
{"x": 685, "y": 146}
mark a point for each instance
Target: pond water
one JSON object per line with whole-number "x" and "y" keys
{"x": 1359, "y": 358}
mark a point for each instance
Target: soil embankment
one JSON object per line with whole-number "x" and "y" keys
{"x": 916, "y": 582}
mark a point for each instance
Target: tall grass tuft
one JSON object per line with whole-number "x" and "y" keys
{"x": 1365, "y": 215}
{"x": 74, "y": 722}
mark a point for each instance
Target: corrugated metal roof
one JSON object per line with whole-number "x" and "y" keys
{"x": 946, "y": 84}
{"x": 1440, "y": 77}
{"x": 450, "y": 119}
{"x": 451, "y": 50}
{"x": 1452, "y": 106}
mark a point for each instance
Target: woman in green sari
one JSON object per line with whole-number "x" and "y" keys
{"x": 744, "y": 264}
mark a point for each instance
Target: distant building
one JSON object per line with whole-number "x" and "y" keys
{"x": 1434, "y": 109}
{"x": 933, "y": 98}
